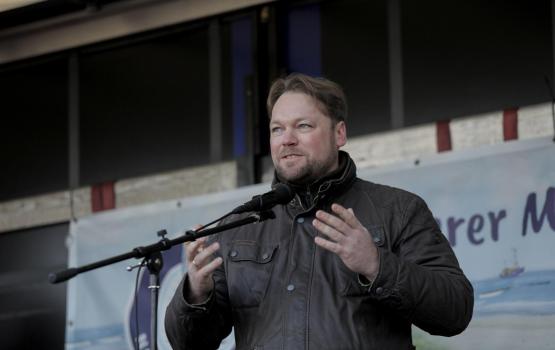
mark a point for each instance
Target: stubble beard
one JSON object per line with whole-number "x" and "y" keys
{"x": 311, "y": 171}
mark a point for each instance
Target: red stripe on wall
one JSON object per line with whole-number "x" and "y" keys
{"x": 443, "y": 133}
{"x": 510, "y": 124}
{"x": 103, "y": 196}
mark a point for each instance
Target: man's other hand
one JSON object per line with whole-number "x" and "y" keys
{"x": 201, "y": 266}
{"x": 347, "y": 238}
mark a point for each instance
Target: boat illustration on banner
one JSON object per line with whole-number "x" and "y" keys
{"x": 514, "y": 270}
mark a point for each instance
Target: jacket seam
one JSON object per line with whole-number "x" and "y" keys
{"x": 308, "y": 294}
{"x": 404, "y": 220}
{"x": 283, "y": 293}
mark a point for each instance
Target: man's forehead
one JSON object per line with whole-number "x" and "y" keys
{"x": 295, "y": 105}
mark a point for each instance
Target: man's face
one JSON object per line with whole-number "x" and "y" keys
{"x": 303, "y": 142}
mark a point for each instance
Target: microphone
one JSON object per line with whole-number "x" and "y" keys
{"x": 282, "y": 194}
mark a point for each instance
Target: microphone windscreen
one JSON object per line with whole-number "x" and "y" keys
{"x": 283, "y": 193}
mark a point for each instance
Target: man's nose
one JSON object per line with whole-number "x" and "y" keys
{"x": 289, "y": 138}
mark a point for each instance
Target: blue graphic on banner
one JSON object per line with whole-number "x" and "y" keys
{"x": 529, "y": 293}
{"x": 171, "y": 258}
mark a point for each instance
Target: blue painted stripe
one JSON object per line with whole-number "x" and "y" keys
{"x": 94, "y": 334}
{"x": 242, "y": 64}
{"x": 304, "y": 41}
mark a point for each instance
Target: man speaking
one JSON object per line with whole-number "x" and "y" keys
{"x": 347, "y": 264}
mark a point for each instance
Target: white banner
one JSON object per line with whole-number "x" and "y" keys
{"x": 496, "y": 205}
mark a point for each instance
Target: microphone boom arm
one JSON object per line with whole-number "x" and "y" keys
{"x": 163, "y": 244}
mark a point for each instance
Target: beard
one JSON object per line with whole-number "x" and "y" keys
{"x": 310, "y": 171}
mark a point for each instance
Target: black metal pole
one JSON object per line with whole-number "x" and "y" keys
{"x": 155, "y": 263}
{"x": 163, "y": 244}
{"x": 154, "y": 287}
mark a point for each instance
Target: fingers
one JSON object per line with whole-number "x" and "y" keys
{"x": 347, "y": 216}
{"x": 324, "y": 223}
{"x": 200, "y": 267}
{"x": 207, "y": 269}
{"x": 328, "y": 245}
{"x": 193, "y": 248}
{"x": 348, "y": 239}
{"x": 336, "y": 226}
{"x": 340, "y": 229}
{"x": 332, "y": 221}
{"x": 204, "y": 255}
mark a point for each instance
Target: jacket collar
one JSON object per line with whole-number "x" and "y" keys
{"x": 327, "y": 187}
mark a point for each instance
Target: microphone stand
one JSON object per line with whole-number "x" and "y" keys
{"x": 154, "y": 261}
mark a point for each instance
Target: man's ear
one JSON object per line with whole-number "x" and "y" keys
{"x": 340, "y": 131}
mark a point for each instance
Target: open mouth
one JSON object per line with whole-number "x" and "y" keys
{"x": 291, "y": 156}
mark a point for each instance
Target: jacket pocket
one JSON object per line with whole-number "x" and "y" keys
{"x": 248, "y": 272}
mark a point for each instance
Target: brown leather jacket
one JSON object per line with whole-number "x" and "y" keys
{"x": 281, "y": 291}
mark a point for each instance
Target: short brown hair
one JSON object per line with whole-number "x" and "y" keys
{"x": 329, "y": 95}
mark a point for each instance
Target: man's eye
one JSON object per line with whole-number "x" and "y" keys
{"x": 276, "y": 130}
{"x": 305, "y": 126}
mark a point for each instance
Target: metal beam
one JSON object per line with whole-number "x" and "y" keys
{"x": 118, "y": 20}
{"x": 395, "y": 64}
{"x": 73, "y": 119}
{"x": 215, "y": 92}
{"x": 73, "y": 128}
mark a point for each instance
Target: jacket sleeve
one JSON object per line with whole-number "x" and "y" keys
{"x": 420, "y": 276}
{"x": 201, "y": 326}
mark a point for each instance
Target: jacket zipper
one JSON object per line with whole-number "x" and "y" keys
{"x": 309, "y": 292}
{"x": 291, "y": 243}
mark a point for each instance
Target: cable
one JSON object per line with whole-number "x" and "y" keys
{"x": 212, "y": 222}
{"x": 136, "y": 339}
{"x": 136, "y": 302}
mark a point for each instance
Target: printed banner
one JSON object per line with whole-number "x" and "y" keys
{"x": 496, "y": 206}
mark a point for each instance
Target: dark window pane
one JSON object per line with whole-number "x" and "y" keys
{"x": 33, "y": 136}
{"x": 227, "y": 89}
{"x": 467, "y": 57}
{"x": 145, "y": 107}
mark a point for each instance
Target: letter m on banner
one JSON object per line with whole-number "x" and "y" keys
{"x": 531, "y": 212}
